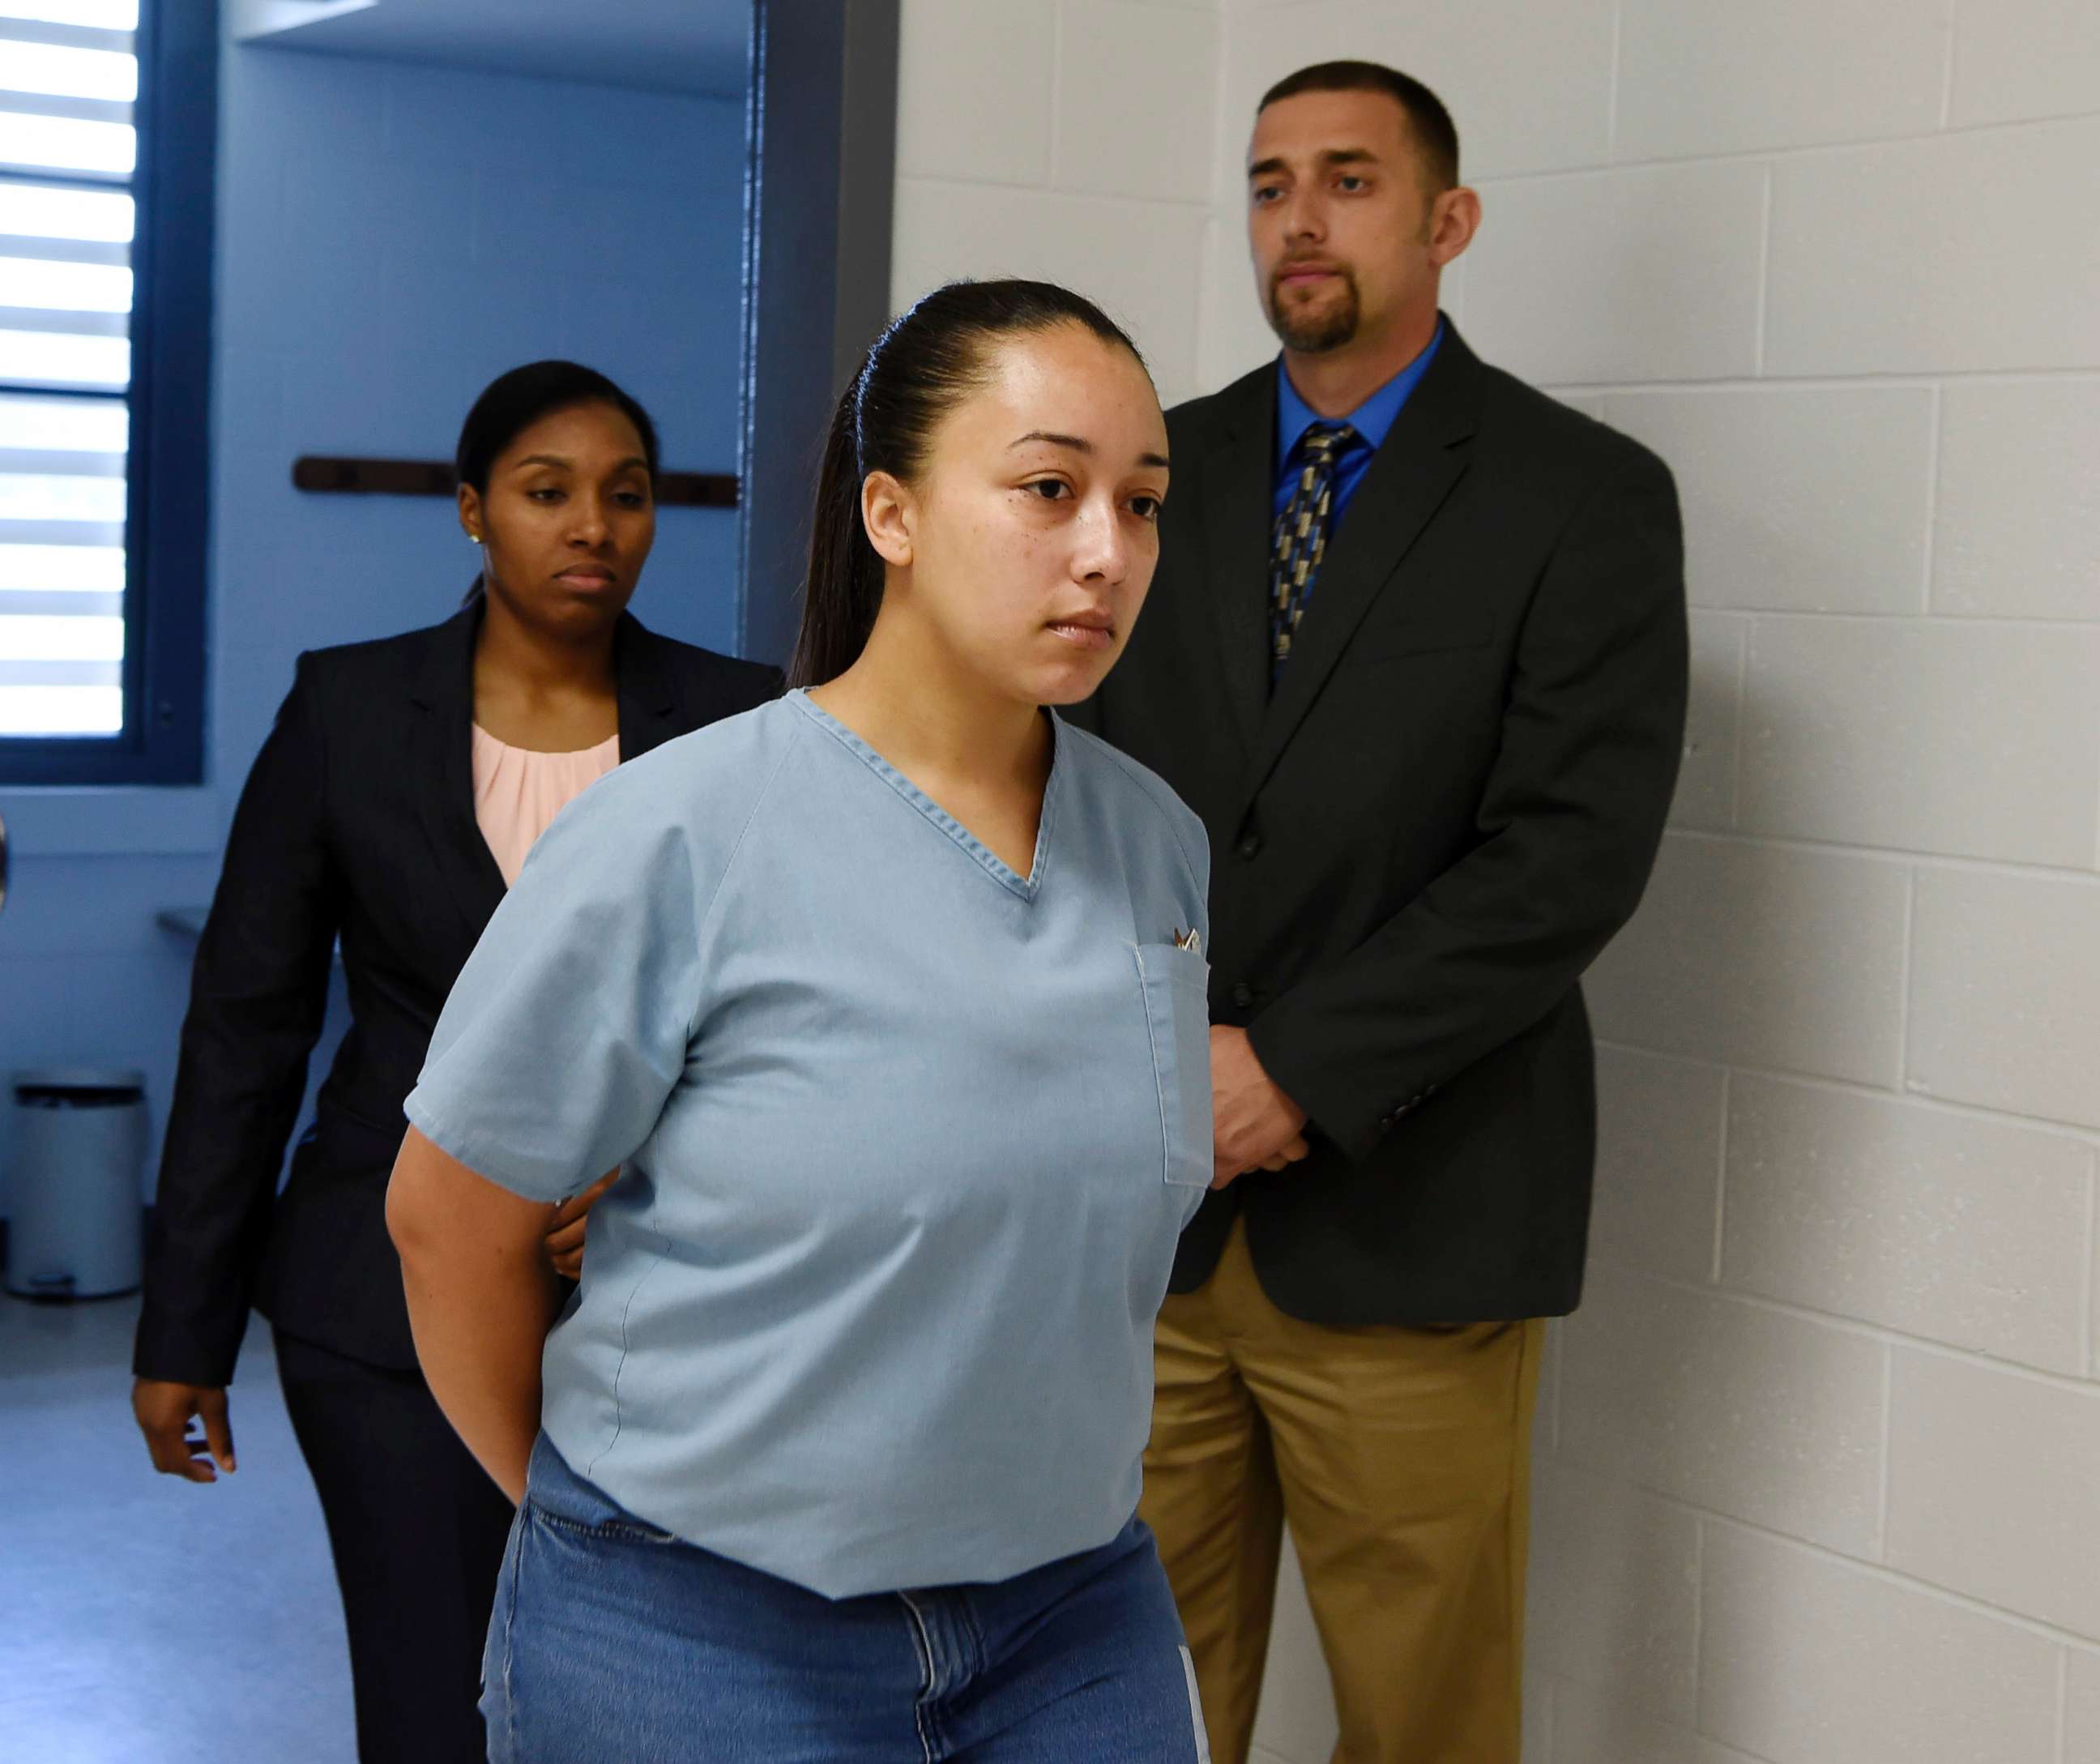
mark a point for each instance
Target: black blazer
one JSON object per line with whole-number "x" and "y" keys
{"x": 1448, "y": 807}
{"x": 357, "y": 822}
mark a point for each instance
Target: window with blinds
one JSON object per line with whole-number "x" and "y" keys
{"x": 68, "y": 82}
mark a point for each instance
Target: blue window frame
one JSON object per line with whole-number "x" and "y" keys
{"x": 108, "y": 133}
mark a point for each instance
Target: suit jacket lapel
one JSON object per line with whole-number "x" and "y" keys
{"x": 1423, "y": 457}
{"x": 443, "y": 689}
{"x": 1238, "y": 493}
{"x": 648, "y": 700}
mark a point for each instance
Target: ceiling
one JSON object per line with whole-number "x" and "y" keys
{"x": 677, "y": 45}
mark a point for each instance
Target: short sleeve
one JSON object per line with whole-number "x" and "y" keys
{"x": 568, "y": 1027}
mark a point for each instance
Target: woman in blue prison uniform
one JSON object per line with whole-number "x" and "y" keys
{"x": 890, "y": 999}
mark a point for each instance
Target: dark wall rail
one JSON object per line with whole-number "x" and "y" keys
{"x": 330, "y": 474}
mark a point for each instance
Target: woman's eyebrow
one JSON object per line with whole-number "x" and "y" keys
{"x": 1077, "y": 443}
{"x": 568, "y": 465}
{"x": 1080, "y": 444}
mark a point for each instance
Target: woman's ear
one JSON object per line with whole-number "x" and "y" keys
{"x": 888, "y": 513}
{"x": 469, "y": 514}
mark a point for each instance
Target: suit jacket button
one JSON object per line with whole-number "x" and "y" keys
{"x": 1243, "y": 996}
{"x": 1249, "y": 848}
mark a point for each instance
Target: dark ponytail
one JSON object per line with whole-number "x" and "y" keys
{"x": 513, "y": 402}
{"x": 927, "y": 362}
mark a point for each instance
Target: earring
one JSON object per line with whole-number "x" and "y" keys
{"x": 474, "y": 537}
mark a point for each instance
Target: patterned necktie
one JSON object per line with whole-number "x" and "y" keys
{"x": 1300, "y": 539}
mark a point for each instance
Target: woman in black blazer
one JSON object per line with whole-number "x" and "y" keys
{"x": 359, "y": 821}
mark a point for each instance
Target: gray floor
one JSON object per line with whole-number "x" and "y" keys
{"x": 142, "y": 1618}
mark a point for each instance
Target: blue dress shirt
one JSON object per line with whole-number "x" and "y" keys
{"x": 1371, "y": 419}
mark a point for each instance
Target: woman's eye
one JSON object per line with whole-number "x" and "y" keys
{"x": 1145, "y": 508}
{"x": 1050, "y": 489}
{"x": 543, "y": 496}
{"x": 633, "y": 499}
{"x": 1352, "y": 184}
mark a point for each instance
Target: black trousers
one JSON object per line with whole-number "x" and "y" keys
{"x": 419, "y": 1532}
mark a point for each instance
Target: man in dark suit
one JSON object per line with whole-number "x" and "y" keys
{"x": 1416, "y": 653}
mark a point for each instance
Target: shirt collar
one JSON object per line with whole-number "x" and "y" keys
{"x": 1371, "y": 419}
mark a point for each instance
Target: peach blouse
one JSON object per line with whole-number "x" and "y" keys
{"x": 517, "y": 793}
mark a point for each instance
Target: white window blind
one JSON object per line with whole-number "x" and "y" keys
{"x": 68, "y": 77}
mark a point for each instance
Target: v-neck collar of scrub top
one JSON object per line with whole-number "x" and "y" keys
{"x": 1027, "y": 888}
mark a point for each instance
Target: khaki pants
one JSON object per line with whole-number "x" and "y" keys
{"x": 1401, "y": 1459}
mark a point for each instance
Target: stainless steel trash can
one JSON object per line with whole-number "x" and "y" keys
{"x": 72, "y": 1183}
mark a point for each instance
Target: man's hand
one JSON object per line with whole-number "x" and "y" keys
{"x": 164, "y": 1409}
{"x": 566, "y": 1229}
{"x": 1254, "y": 1126}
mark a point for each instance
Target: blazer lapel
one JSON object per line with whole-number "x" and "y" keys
{"x": 1423, "y": 457}
{"x": 1238, "y": 496}
{"x": 648, "y": 700}
{"x": 443, "y": 689}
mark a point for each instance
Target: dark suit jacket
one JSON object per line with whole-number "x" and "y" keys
{"x": 357, "y": 822}
{"x": 1447, "y": 809}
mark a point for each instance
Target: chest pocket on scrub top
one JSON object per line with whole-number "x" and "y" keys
{"x": 1176, "y": 984}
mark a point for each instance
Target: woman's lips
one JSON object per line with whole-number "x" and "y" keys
{"x": 588, "y": 581}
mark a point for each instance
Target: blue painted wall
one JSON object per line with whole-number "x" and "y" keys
{"x": 390, "y": 237}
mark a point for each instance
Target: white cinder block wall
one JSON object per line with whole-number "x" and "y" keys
{"x": 1069, "y": 139}
{"x": 1819, "y": 1458}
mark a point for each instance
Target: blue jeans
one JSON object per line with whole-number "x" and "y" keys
{"x": 613, "y": 1642}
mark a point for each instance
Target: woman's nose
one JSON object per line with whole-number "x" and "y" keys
{"x": 1103, "y": 550}
{"x": 587, "y": 524}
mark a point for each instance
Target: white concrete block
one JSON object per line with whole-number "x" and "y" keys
{"x": 2081, "y": 1725}
{"x": 1972, "y": 740}
{"x": 1807, "y": 1660}
{"x": 1761, "y": 956}
{"x": 1137, "y": 101}
{"x": 1536, "y": 1738}
{"x": 1731, "y": 1406}
{"x": 1235, "y": 337}
{"x": 1870, "y": 272}
{"x": 1592, "y": 1726}
{"x": 1707, "y": 77}
{"x": 2015, "y": 59}
{"x": 1643, "y": 274}
{"x": 1526, "y": 82}
{"x": 1658, "y": 1163}
{"x": 1706, "y": 777}
{"x": 1141, "y": 261}
{"x": 1796, "y": 499}
{"x": 974, "y": 90}
{"x": 1545, "y": 1416}
{"x": 1992, "y": 1481}
{"x": 1614, "y": 1595}
{"x": 2018, "y": 528}
{"x": 1964, "y": 1231}
{"x": 2004, "y": 1006}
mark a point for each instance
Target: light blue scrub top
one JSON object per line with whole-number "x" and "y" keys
{"x": 909, "y": 1139}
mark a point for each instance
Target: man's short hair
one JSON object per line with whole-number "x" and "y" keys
{"x": 1436, "y": 134}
